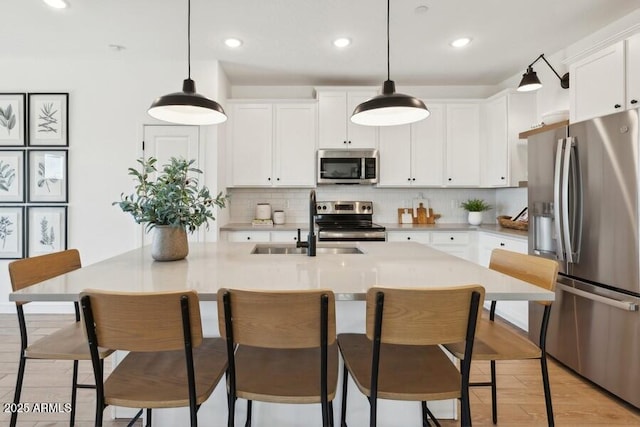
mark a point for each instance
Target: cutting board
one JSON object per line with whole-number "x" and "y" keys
{"x": 401, "y": 211}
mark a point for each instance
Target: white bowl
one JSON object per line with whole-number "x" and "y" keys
{"x": 555, "y": 116}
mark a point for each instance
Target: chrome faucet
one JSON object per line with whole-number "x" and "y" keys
{"x": 310, "y": 244}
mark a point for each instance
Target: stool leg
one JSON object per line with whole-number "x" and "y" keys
{"x": 74, "y": 391}
{"x": 494, "y": 394}
{"x": 16, "y": 396}
{"x": 343, "y": 410}
{"x": 248, "y": 422}
{"x": 547, "y": 390}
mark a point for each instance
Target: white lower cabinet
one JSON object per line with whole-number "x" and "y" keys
{"x": 457, "y": 243}
{"x": 287, "y": 236}
{"x": 262, "y": 236}
{"x": 515, "y": 312}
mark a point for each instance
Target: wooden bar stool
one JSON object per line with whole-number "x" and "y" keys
{"x": 399, "y": 357}
{"x": 67, "y": 343}
{"x": 170, "y": 364}
{"x": 496, "y": 342}
{"x": 281, "y": 347}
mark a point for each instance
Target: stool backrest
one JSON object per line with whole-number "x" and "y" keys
{"x": 29, "y": 271}
{"x": 422, "y": 316}
{"x": 538, "y": 271}
{"x": 143, "y": 321}
{"x": 277, "y": 319}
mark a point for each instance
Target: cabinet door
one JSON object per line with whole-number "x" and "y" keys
{"x": 251, "y": 136}
{"x": 427, "y": 148}
{"x": 395, "y": 155}
{"x": 332, "y": 113}
{"x": 494, "y": 156}
{"x": 597, "y": 84}
{"x": 359, "y": 136}
{"x": 463, "y": 145}
{"x": 295, "y": 145}
{"x": 248, "y": 236}
{"x": 633, "y": 71}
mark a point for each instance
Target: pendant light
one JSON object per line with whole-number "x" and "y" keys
{"x": 187, "y": 107}
{"x": 390, "y": 108}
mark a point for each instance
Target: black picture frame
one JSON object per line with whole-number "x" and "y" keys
{"x": 49, "y": 119}
{"x": 12, "y": 226}
{"x": 46, "y": 229}
{"x": 48, "y": 176}
{"x": 13, "y": 176}
{"x": 13, "y": 119}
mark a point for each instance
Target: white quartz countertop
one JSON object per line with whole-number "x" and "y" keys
{"x": 210, "y": 266}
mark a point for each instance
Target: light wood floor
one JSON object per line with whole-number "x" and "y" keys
{"x": 576, "y": 402}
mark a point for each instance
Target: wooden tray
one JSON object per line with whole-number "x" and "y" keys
{"x": 505, "y": 221}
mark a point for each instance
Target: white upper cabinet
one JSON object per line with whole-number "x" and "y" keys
{"x": 272, "y": 144}
{"x": 597, "y": 84}
{"x": 463, "y": 145}
{"x": 395, "y": 156}
{"x": 251, "y": 144}
{"x": 335, "y": 127}
{"x": 633, "y": 71}
{"x": 503, "y": 154}
{"x": 295, "y": 144}
{"x": 428, "y": 147}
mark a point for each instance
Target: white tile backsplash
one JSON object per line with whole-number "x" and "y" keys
{"x": 445, "y": 201}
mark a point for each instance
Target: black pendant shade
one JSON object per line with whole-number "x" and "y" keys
{"x": 530, "y": 80}
{"x": 187, "y": 107}
{"x": 390, "y": 108}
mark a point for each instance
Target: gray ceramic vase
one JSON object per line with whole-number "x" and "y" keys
{"x": 169, "y": 243}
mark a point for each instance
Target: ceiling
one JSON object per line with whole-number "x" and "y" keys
{"x": 289, "y": 42}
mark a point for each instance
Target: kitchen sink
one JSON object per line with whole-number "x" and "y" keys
{"x": 290, "y": 250}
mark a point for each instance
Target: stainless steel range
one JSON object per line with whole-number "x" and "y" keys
{"x": 347, "y": 221}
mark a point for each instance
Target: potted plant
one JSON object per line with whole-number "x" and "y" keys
{"x": 475, "y": 207}
{"x": 172, "y": 202}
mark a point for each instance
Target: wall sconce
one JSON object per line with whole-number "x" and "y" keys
{"x": 530, "y": 79}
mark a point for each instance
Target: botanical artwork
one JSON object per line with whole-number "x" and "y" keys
{"x": 48, "y": 119}
{"x": 12, "y": 119}
{"x": 46, "y": 229}
{"x": 11, "y": 235}
{"x": 9, "y": 120}
{"x": 47, "y": 175}
{"x": 7, "y": 229}
{"x": 8, "y": 175}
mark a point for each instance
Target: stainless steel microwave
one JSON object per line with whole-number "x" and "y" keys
{"x": 344, "y": 166}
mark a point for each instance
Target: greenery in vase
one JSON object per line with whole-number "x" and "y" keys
{"x": 173, "y": 197}
{"x": 475, "y": 205}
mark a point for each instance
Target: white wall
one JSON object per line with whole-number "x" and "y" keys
{"x": 108, "y": 100}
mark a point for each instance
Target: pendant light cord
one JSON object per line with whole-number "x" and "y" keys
{"x": 388, "y": 48}
{"x": 189, "y": 38}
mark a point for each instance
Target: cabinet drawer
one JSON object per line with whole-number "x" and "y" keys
{"x": 287, "y": 236}
{"x": 404, "y": 236}
{"x": 497, "y": 242}
{"x": 248, "y": 236}
{"x": 450, "y": 238}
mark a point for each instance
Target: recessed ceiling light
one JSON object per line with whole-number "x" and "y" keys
{"x": 117, "y": 47}
{"x": 461, "y": 42}
{"x": 421, "y": 9}
{"x": 232, "y": 42}
{"x": 57, "y": 4}
{"x": 342, "y": 42}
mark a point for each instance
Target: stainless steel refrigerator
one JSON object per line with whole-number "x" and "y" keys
{"x": 583, "y": 211}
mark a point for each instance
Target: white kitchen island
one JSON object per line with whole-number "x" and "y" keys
{"x": 210, "y": 266}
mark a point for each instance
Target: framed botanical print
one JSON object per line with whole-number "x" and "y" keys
{"x": 46, "y": 229}
{"x": 13, "y": 119}
{"x": 11, "y": 232}
{"x": 49, "y": 119}
{"x": 12, "y": 176}
{"x": 48, "y": 175}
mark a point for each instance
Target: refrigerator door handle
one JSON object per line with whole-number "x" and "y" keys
{"x": 571, "y": 212}
{"x": 623, "y": 305}
{"x": 557, "y": 172}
